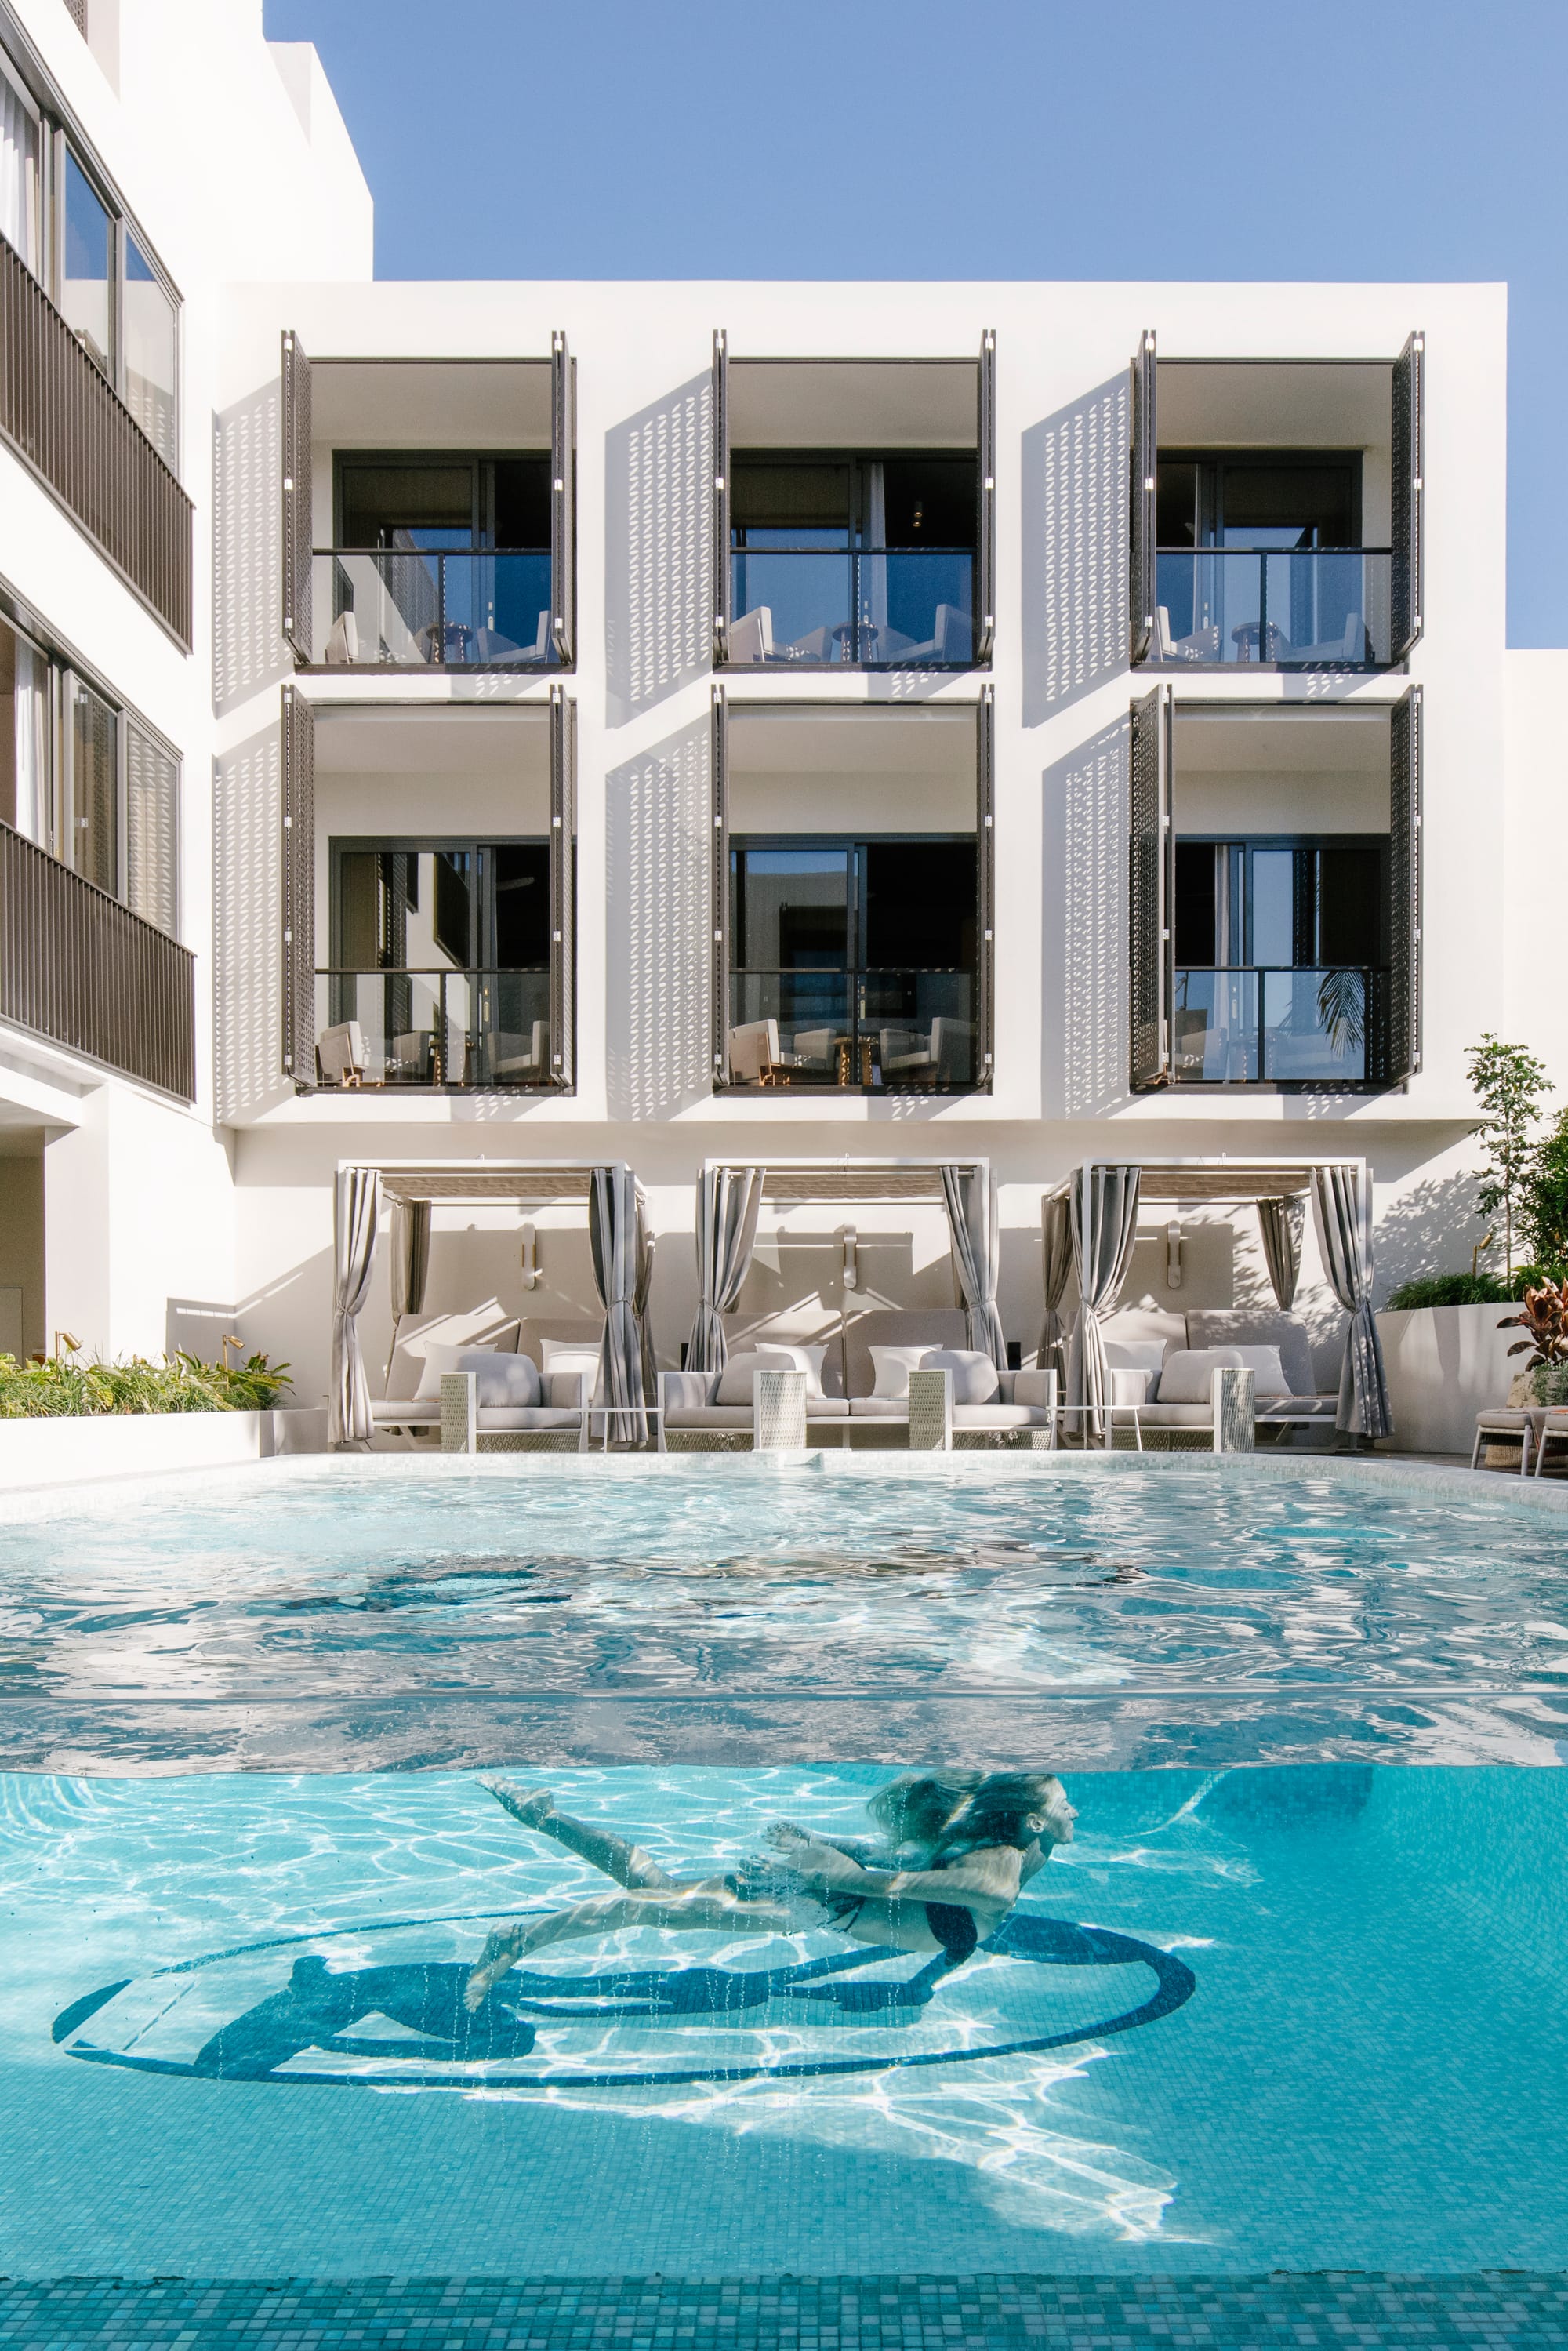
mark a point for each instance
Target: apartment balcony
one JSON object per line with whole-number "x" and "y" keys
{"x": 874, "y": 608}
{"x": 436, "y": 1029}
{"x": 80, "y": 969}
{"x": 438, "y": 608}
{"x": 884, "y": 1031}
{"x": 1300, "y": 608}
{"x": 1326, "y": 1027}
{"x": 67, "y": 424}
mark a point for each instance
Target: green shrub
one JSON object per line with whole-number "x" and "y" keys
{"x": 1451, "y": 1289}
{"x": 59, "y": 1386}
{"x": 1549, "y": 1384}
{"x": 1536, "y": 1277}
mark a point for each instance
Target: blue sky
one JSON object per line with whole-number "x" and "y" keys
{"x": 1015, "y": 139}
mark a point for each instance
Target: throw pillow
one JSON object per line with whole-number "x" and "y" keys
{"x": 737, "y": 1379}
{"x": 892, "y": 1366}
{"x": 578, "y": 1356}
{"x": 974, "y": 1377}
{"x": 1130, "y": 1384}
{"x": 1268, "y": 1371}
{"x": 439, "y": 1359}
{"x": 1189, "y": 1373}
{"x": 504, "y": 1380}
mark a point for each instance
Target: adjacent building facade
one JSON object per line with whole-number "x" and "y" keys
{"x": 839, "y": 722}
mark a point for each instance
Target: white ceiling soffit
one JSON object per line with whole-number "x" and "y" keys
{"x": 869, "y": 742}
{"x": 535, "y": 1186}
{"x": 853, "y": 403}
{"x": 488, "y": 404}
{"x": 1344, "y": 405}
{"x": 437, "y": 739}
{"x": 1283, "y": 742}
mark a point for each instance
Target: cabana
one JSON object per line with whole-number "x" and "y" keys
{"x": 728, "y": 1199}
{"x": 1091, "y": 1224}
{"x": 622, "y": 1265}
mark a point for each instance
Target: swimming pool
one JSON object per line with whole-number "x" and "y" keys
{"x": 1286, "y": 2000}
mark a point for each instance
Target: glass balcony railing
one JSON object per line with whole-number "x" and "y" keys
{"x": 1311, "y": 608}
{"x": 1234, "y": 1028}
{"x": 888, "y": 1031}
{"x": 876, "y": 608}
{"x": 447, "y": 1028}
{"x": 463, "y": 610}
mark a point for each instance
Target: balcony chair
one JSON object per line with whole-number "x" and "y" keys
{"x": 506, "y": 1057}
{"x": 1352, "y": 646}
{"x": 952, "y": 644}
{"x": 815, "y": 1051}
{"x": 411, "y": 1058}
{"x": 1202, "y": 645}
{"x": 755, "y": 1058}
{"x": 340, "y": 1055}
{"x": 945, "y": 1055}
{"x": 343, "y": 641}
{"x": 751, "y": 640}
{"x": 489, "y": 646}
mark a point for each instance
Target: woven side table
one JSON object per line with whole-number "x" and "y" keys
{"x": 930, "y": 1411}
{"x": 461, "y": 1432}
{"x": 1235, "y": 1409}
{"x": 779, "y": 1412}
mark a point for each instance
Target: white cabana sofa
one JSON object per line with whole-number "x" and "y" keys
{"x": 413, "y": 1402}
{"x": 1140, "y": 1340}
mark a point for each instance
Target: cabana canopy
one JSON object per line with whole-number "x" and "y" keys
{"x": 1100, "y": 1200}
{"x": 618, "y": 1228}
{"x": 729, "y": 1194}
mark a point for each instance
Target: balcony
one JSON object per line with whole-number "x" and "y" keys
{"x": 874, "y": 608}
{"x": 435, "y": 608}
{"x": 72, "y": 429}
{"x": 877, "y": 1031}
{"x": 1324, "y": 1027}
{"x": 458, "y": 1031}
{"x": 1302, "y": 607}
{"x": 77, "y": 967}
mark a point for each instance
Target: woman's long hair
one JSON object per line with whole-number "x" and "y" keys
{"x": 1006, "y": 1808}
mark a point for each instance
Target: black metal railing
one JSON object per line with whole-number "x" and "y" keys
{"x": 878, "y": 608}
{"x": 64, "y": 420}
{"x": 1326, "y": 1026}
{"x": 884, "y": 1031}
{"x": 449, "y": 1027}
{"x": 466, "y": 608}
{"x": 79, "y": 968}
{"x": 1308, "y": 608}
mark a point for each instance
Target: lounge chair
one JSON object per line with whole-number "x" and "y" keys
{"x": 1138, "y": 1341}
{"x": 560, "y": 1415}
{"x": 1201, "y": 645}
{"x": 1019, "y": 1408}
{"x": 693, "y": 1420}
{"x": 340, "y": 1054}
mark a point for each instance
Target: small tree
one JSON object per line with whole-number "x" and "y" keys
{"x": 1509, "y": 1082}
{"x": 1543, "y": 1210}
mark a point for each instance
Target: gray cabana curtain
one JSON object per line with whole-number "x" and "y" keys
{"x": 613, "y": 1226}
{"x": 1105, "y": 1209}
{"x": 1280, "y": 1224}
{"x": 356, "y": 1212}
{"x": 410, "y": 1267}
{"x": 1056, "y": 1234}
{"x": 640, "y": 1295}
{"x": 973, "y": 1223}
{"x": 1343, "y": 1222}
{"x": 727, "y": 1202}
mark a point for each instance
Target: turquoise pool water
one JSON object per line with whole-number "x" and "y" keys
{"x": 1289, "y": 1997}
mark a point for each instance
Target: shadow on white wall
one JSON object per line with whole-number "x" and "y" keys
{"x": 657, "y": 889}
{"x": 1074, "y": 494}
{"x": 247, "y": 928}
{"x": 248, "y": 651}
{"x": 1084, "y": 928}
{"x": 658, "y": 561}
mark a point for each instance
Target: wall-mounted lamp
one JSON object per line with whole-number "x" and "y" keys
{"x": 852, "y": 1263}
{"x": 531, "y": 1253}
{"x": 1173, "y": 1255}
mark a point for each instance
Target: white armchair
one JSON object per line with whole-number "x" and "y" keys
{"x": 1201, "y": 645}
{"x": 340, "y": 1054}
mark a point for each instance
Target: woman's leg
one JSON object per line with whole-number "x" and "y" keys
{"x": 696, "y": 1908}
{"x": 628, "y": 1865}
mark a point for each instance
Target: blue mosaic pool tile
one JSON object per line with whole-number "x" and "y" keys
{"x": 1323, "y": 2311}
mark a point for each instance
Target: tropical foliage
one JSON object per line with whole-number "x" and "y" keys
{"x": 1544, "y": 1319}
{"x": 56, "y": 1387}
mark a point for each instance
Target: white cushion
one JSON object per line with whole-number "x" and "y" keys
{"x": 738, "y": 1377}
{"x": 1135, "y": 1355}
{"x": 1268, "y": 1371}
{"x": 506, "y": 1382}
{"x": 439, "y": 1359}
{"x": 974, "y": 1377}
{"x": 785, "y": 1355}
{"x": 1129, "y": 1384}
{"x": 890, "y": 1367}
{"x": 572, "y": 1355}
{"x": 1189, "y": 1373}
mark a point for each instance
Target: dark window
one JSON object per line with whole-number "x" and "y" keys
{"x": 803, "y": 504}
{"x": 1281, "y": 904}
{"x": 454, "y": 925}
{"x": 444, "y": 502}
{"x": 930, "y": 501}
{"x": 1263, "y": 498}
{"x": 485, "y": 907}
{"x": 521, "y": 919}
{"x": 920, "y": 901}
{"x": 861, "y": 500}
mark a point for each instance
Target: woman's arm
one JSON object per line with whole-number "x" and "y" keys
{"x": 992, "y": 1873}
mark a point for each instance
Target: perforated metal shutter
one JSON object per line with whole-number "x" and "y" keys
{"x": 1403, "y": 1026}
{"x": 563, "y": 890}
{"x": 719, "y": 895}
{"x": 1143, "y": 457}
{"x": 1151, "y": 859}
{"x": 1408, "y": 493}
{"x": 563, "y": 502}
{"x": 151, "y": 829}
{"x": 298, "y": 534}
{"x": 985, "y": 819}
{"x": 720, "y": 494}
{"x": 985, "y": 543}
{"x": 298, "y": 888}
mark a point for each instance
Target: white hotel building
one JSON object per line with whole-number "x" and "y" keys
{"x": 845, "y": 724}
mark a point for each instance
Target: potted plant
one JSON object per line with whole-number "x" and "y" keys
{"x": 1543, "y": 1318}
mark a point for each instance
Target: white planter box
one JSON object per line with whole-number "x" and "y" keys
{"x": 59, "y": 1452}
{"x": 1445, "y": 1364}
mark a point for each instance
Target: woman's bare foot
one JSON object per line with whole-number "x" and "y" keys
{"x": 529, "y": 1806}
{"x": 495, "y": 1960}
